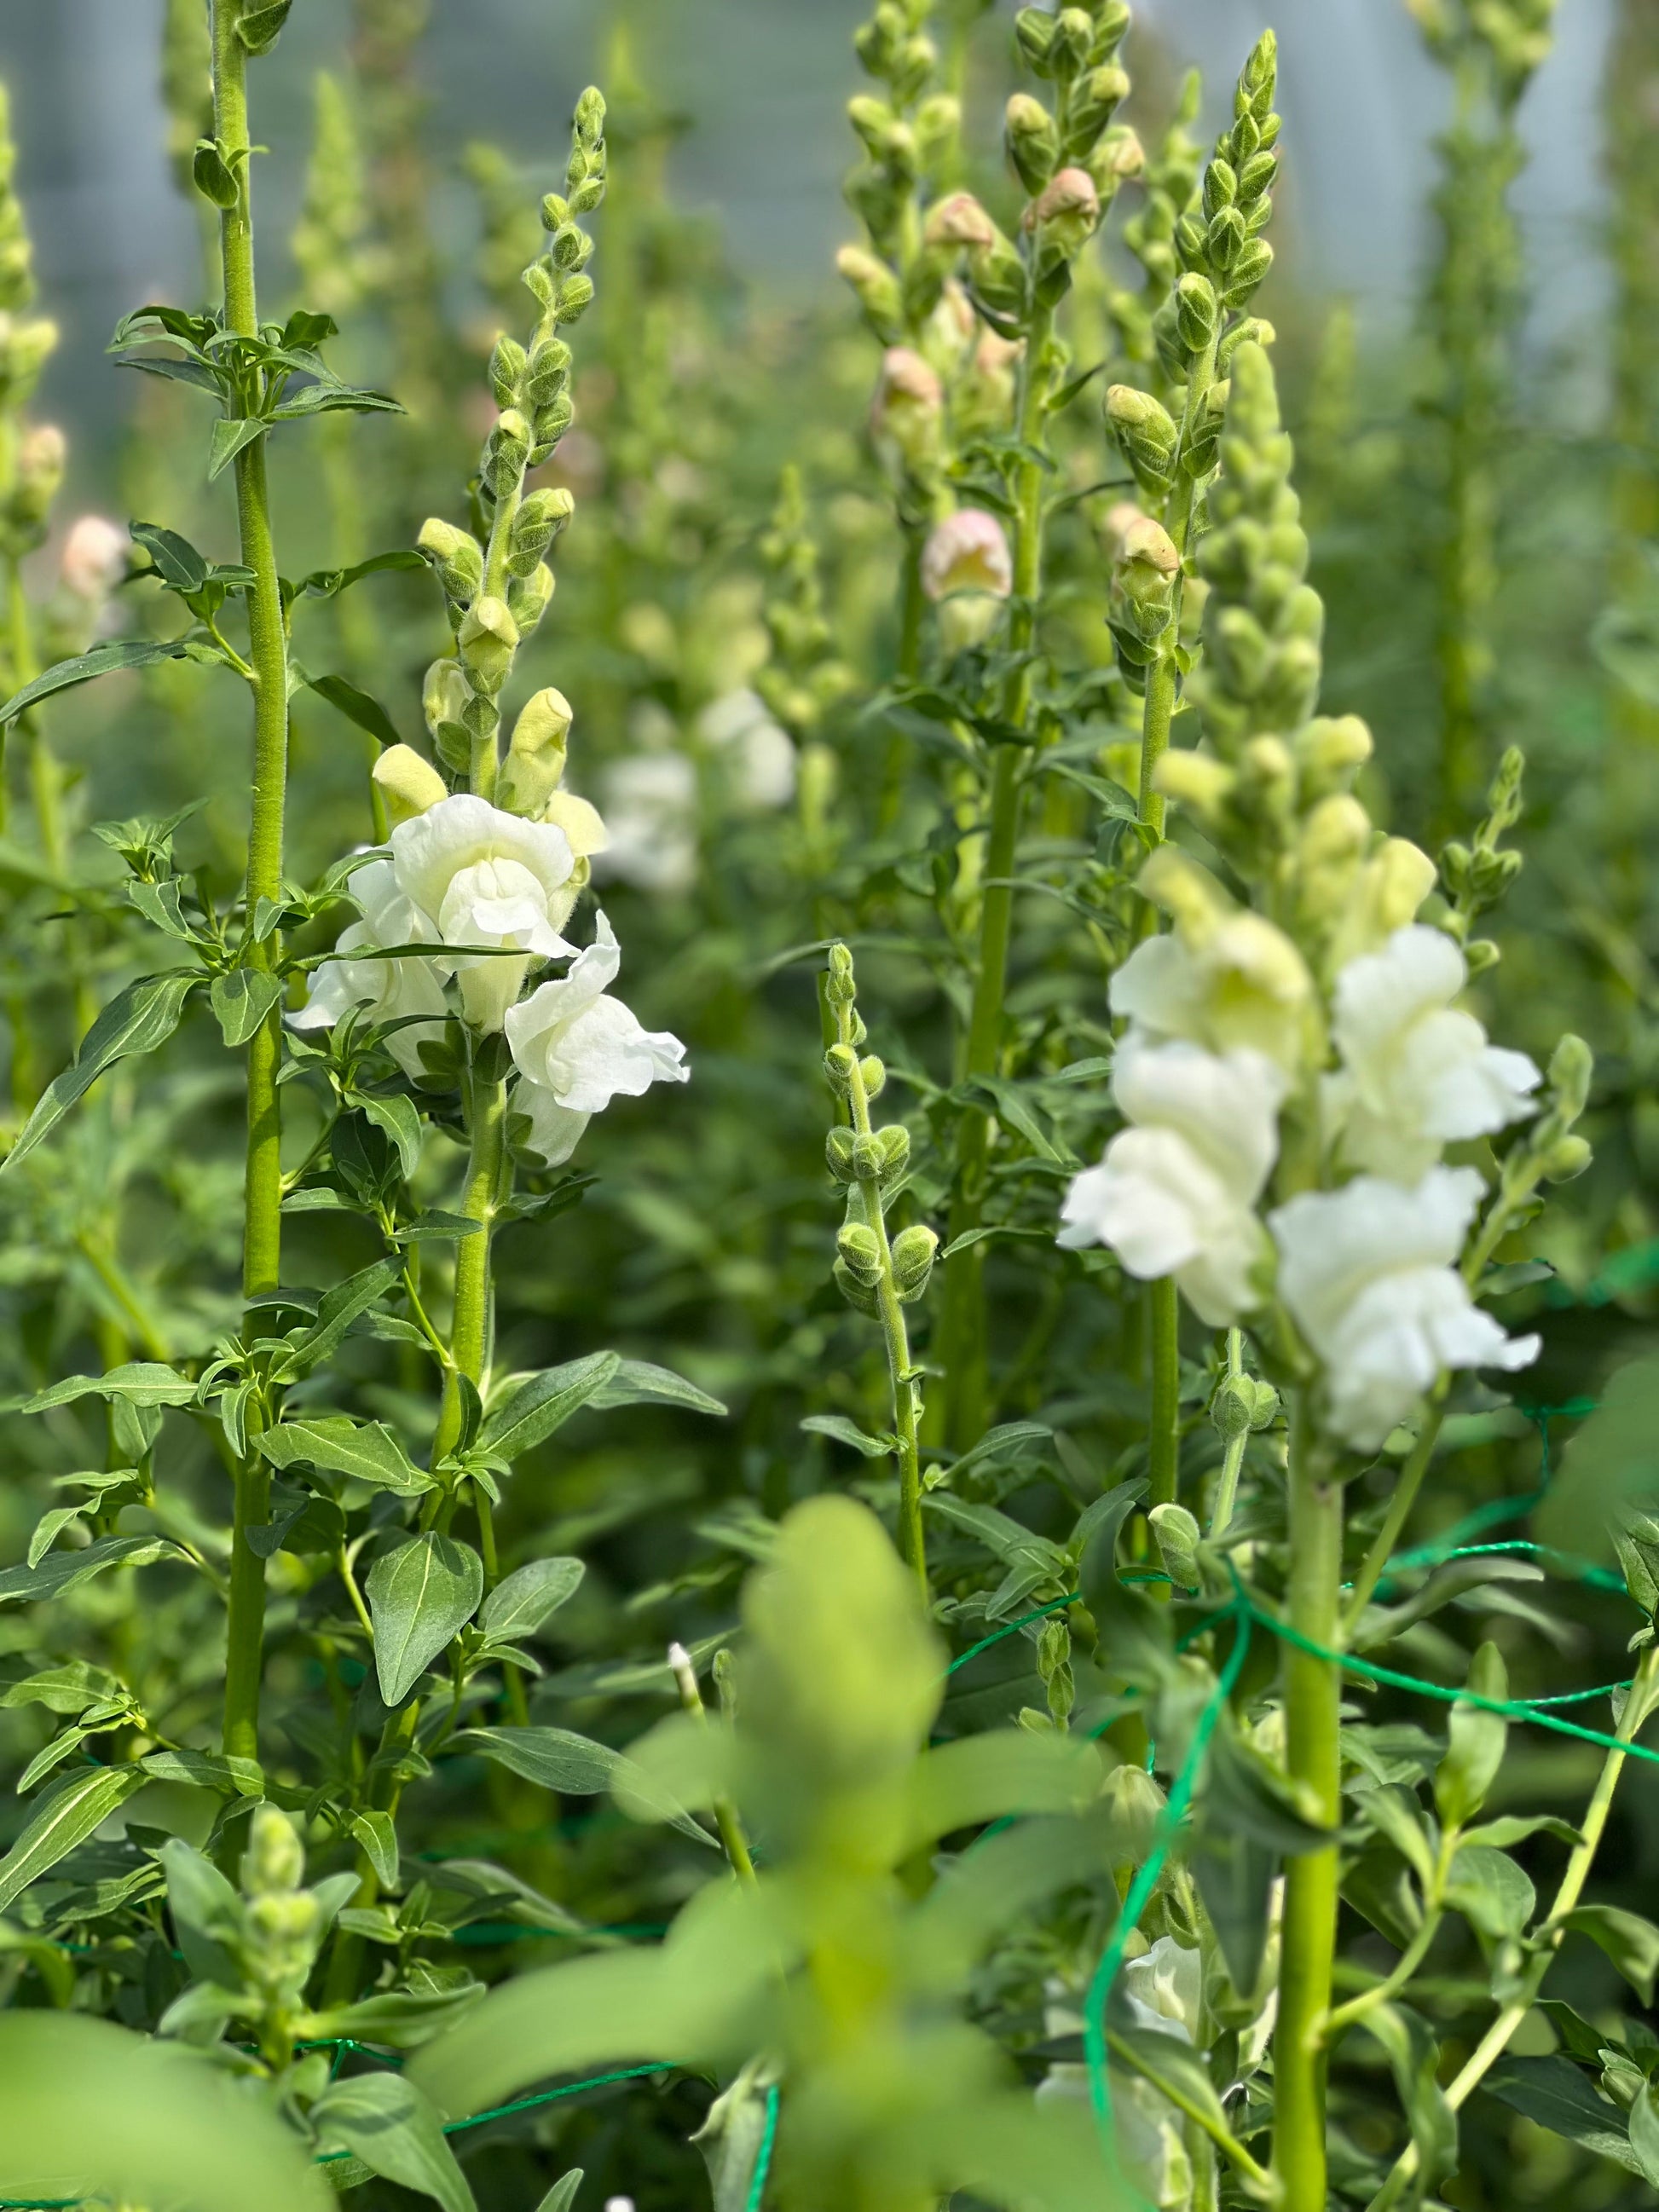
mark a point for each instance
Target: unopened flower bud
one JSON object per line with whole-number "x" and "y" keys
{"x": 97, "y": 555}
{"x": 275, "y": 1859}
{"x": 1133, "y": 1802}
{"x": 1032, "y": 140}
{"x": 1196, "y": 311}
{"x": 41, "y": 455}
{"x": 958, "y": 219}
{"x": 527, "y": 597}
{"x": 409, "y": 784}
{"x": 874, "y": 1076}
{"x": 1249, "y": 266}
{"x": 877, "y": 287}
{"x": 1118, "y": 155}
{"x": 908, "y": 406}
{"x": 857, "y": 1293}
{"x": 894, "y": 1144}
{"x": 838, "y": 1155}
{"x": 1572, "y": 1065}
{"x": 575, "y": 297}
{"x": 1567, "y": 1158}
{"x": 539, "y": 521}
{"x": 859, "y": 1250}
{"x": 1195, "y": 779}
{"x": 444, "y": 698}
{"x": 507, "y": 366}
{"x": 914, "y": 1251}
{"x": 866, "y": 1158}
{"x": 1328, "y": 750}
{"x": 488, "y": 639}
{"x": 1146, "y": 432}
{"x": 838, "y": 1064}
{"x": 507, "y": 450}
{"x": 1033, "y": 27}
{"x": 580, "y": 819}
{"x": 1095, "y": 100}
{"x": 1242, "y": 1405}
{"x": 1177, "y": 1536}
{"x": 455, "y": 554}
{"x": 1068, "y": 208}
{"x": 545, "y": 375}
{"x": 967, "y": 552}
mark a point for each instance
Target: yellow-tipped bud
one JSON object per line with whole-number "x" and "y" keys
{"x": 581, "y": 821}
{"x": 408, "y": 784}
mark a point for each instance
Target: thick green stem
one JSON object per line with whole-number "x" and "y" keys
{"x": 962, "y": 1316}
{"x": 268, "y": 655}
{"x": 1642, "y": 1698}
{"x": 912, "y": 605}
{"x": 1163, "y": 1452}
{"x": 1232, "y": 1457}
{"x": 1312, "y": 1699}
{"x": 486, "y": 1167}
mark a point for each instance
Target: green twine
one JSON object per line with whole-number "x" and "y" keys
{"x": 764, "y": 2155}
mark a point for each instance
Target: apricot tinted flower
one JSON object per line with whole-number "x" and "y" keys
{"x": 967, "y": 552}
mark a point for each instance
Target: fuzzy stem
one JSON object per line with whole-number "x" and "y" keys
{"x": 1163, "y": 1442}
{"x": 1312, "y": 1699}
{"x": 268, "y": 654}
{"x": 1232, "y": 1457}
{"x": 962, "y": 1317}
{"x": 1640, "y": 1703}
{"x": 469, "y": 1334}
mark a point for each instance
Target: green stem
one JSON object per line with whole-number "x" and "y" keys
{"x": 727, "y": 1816}
{"x": 1312, "y": 1699}
{"x": 486, "y": 1168}
{"x": 1232, "y": 1457}
{"x": 1642, "y": 1698}
{"x": 912, "y": 605}
{"x": 1222, "y": 2137}
{"x": 1400, "y": 1506}
{"x": 268, "y": 654}
{"x": 1164, "y": 1455}
{"x": 962, "y": 1316}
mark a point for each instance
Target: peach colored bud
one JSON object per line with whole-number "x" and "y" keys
{"x": 908, "y": 404}
{"x": 1071, "y": 196}
{"x": 967, "y": 552}
{"x": 95, "y": 556}
{"x": 1150, "y": 544}
{"x": 1116, "y": 524}
{"x": 959, "y": 220}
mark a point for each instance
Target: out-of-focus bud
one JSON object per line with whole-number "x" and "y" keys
{"x": 488, "y": 639}
{"x": 999, "y": 278}
{"x": 1572, "y": 1065}
{"x": 1329, "y": 750}
{"x": 1132, "y": 1802}
{"x": 455, "y": 554}
{"x": 275, "y": 1860}
{"x": 967, "y": 552}
{"x": 936, "y": 124}
{"x": 1074, "y": 34}
{"x": 27, "y": 343}
{"x": 1118, "y": 155}
{"x": 1066, "y": 210}
{"x": 409, "y": 784}
{"x": 914, "y": 1251}
{"x": 1146, "y": 432}
{"x": 97, "y": 555}
{"x": 41, "y": 455}
{"x": 1195, "y": 779}
{"x": 958, "y": 219}
{"x": 877, "y": 287}
{"x": 1567, "y": 1158}
{"x": 909, "y": 407}
{"x": 859, "y": 1251}
{"x": 1032, "y": 140}
{"x": 1251, "y": 330}
{"x": 1033, "y": 27}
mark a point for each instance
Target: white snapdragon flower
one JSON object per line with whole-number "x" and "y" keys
{"x": 1370, "y": 1275}
{"x": 650, "y": 803}
{"x": 1175, "y": 1193}
{"x": 386, "y": 990}
{"x": 1165, "y": 1988}
{"x": 577, "y": 1049}
{"x": 485, "y": 878}
{"x": 1416, "y": 1072}
{"x": 1231, "y": 980}
{"x": 762, "y": 755}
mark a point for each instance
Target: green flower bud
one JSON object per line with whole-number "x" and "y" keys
{"x": 1567, "y": 1158}
{"x": 874, "y": 1077}
{"x": 1257, "y": 174}
{"x": 840, "y": 987}
{"x": 527, "y": 597}
{"x": 866, "y": 1158}
{"x": 488, "y": 639}
{"x": 857, "y": 1293}
{"x": 507, "y": 367}
{"x": 544, "y": 376}
{"x": 877, "y": 288}
{"x": 1147, "y": 434}
{"x": 1032, "y": 140}
{"x": 551, "y": 425}
{"x": 859, "y": 1251}
{"x": 539, "y": 521}
{"x": 999, "y": 279}
{"x": 1133, "y": 1802}
{"x": 1572, "y": 1065}
{"x": 444, "y": 695}
{"x": 1480, "y": 954}
{"x": 838, "y": 1155}
{"x": 1178, "y": 1536}
{"x": 872, "y": 119}
{"x": 41, "y": 455}
{"x": 575, "y": 297}
{"x": 1251, "y": 330}
{"x": 1068, "y": 49}
{"x": 1066, "y": 210}
{"x": 1243, "y": 1406}
{"x": 275, "y": 1860}
{"x": 409, "y": 784}
{"x": 1197, "y": 311}
{"x": 571, "y": 246}
{"x": 1249, "y": 265}
{"x": 1220, "y": 187}
{"x": 914, "y": 1252}
{"x": 1095, "y": 100}
{"x": 456, "y": 555}
{"x": 506, "y": 453}
{"x": 894, "y": 1143}
{"x": 1224, "y": 239}
{"x": 937, "y": 123}
{"x": 1033, "y": 28}
{"x": 534, "y": 766}
{"x": 838, "y": 1064}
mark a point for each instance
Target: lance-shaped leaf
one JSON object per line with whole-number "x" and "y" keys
{"x": 355, "y": 704}
{"x": 517, "y": 1606}
{"x": 139, "y": 1381}
{"x": 1631, "y": 1941}
{"x": 68, "y": 1817}
{"x": 420, "y": 1597}
{"x": 105, "y": 661}
{"x": 335, "y": 1316}
{"x": 242, "y": 1000}
{"x": 1553, "y": 2094}
{"x": 532, "y": 1411}
{"x": 136, "y": 1020}
{"x": 65, "y": 1571}
{"x": 577, "y": 1766}
{"x": 397, "y": 2132}
{"x": 637, "y": 1383}
{"x": 367, "y": 1449}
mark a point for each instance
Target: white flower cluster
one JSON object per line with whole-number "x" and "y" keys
{"x": 1223, "y": 1027}
{"x": 491, "y": 893}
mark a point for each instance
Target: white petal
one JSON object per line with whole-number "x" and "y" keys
{"x": 1333, "y": 1243}
{"x": 428, "y": 851}
{"x": 1157, "y": 988}
{"x": 1226, "y": 1106}
{"x": 554, "y": 1131}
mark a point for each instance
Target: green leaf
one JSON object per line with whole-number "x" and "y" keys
{"x": 241, "y": 1000}
{"x": 333, "y": 398}
{"x": 1631, "y": 1941}
{"x": 163, "y": 904}
{"x": 60, "y": 1572}
{"x": 577, "y": 1766}
{"x": 141, "y": 1018}
{"x": 1246, "y": 1794}
{"x": 67, "y": 1818}
{"x": 969, "y": 1237}
{"x": 260, "y": 27}
{"x": 231, "y": 434}
{"x": 438, "y": 1225}
{"x": 339, "y": 1445}
{"x": 1515, "y": 1828}
{"x": 208, "y": 1770}
{"x": 1009, "y": 1440}
{"x": 1643, "y": 2125}
{"x": 1413, "y": 2055}
{"x": 342, "y": 1306}
{"x": 846, "y": 1431}
{"x": 1476, "y": 1740}
{"x": 1158, "y": 2057}
{"x": 562, "y": 2194}
{"x": 214, "y": 178}
{"x": 388, "y": 2123}
{"x": 179, "y": 564}
{"x": 324, "y": 583}
{"x": 528, "y": 1597}
{"x": 355, "y": 705}
{"x": 420, "y": 1597}
{"x": 637, "y": 1383}
{"x": 1551, "y": 2090}
{"x": 105, "y": 661}
{"x": 1492, "y": 1893}
{"x": 543, "y": 1404}
{"x": 398, "y": 1116}
{"x": 139, "y": 1381}
{"x": 1234, "y": 1875}
{"x": 378, "y": 1834}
